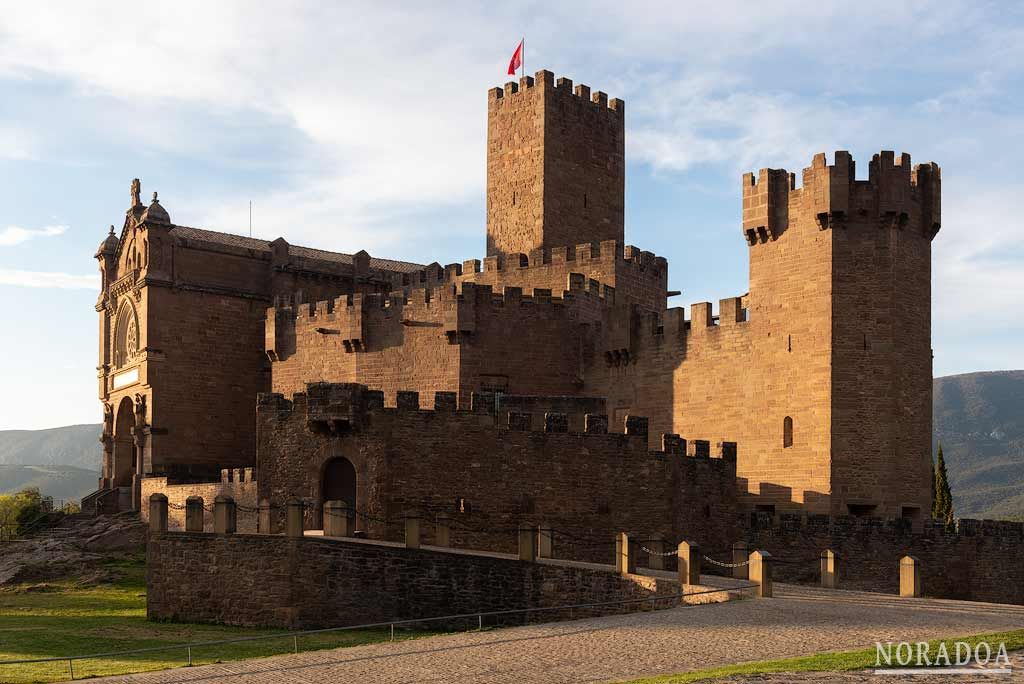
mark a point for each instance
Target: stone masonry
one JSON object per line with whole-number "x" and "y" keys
{"x": 821, "y": 372}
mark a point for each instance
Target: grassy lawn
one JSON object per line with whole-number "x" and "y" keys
{"x": 823, "y": 662}
{"x": 63, "y": 618}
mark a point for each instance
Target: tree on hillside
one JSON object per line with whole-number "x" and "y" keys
{"x": 942, "y": 506}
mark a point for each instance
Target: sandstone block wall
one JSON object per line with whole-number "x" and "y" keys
{"x": 238, "y": 483}
{"x": 834, "y": 335}
{"x": 555, "y": 165}
{"x": 439, "y": 340}
{"x": 979, "y": 561}
{"x": 489, "y": 479}
{"x": 264, "y": 581}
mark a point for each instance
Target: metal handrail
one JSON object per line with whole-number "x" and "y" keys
{"x": 391, "y": 623}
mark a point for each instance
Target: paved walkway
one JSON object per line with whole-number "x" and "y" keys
{"x": 799, "y": 621}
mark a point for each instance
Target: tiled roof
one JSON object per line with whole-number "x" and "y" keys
{"x": 243, "y": 242}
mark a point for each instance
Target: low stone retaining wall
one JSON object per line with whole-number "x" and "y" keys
{"x": 238, "y": 483}
{"x": 976, "y": 561}
{"x": 307, "y": 582}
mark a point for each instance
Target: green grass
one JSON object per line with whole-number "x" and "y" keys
{"x": 823, "y": 662}
{"x": 65, "y": 618}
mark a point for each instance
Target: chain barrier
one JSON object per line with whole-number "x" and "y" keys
{"x": 726, "y": 565}
{"x": 574, "y": 539}
{"x": 660, "y": 553}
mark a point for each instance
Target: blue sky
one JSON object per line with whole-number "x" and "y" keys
{"x": 362, "y": 126}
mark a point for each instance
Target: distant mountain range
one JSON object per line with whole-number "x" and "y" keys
{"x": 65, "y": 483}
{"x": 979, "y": 420}
{"x": 73, "y": 445}
{"x": 62, "y": 462}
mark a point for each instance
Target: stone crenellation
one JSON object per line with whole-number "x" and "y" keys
{"x": 548, "y": 381}
{"x": 892, "y": 193}
{"x": 335, "y": 408}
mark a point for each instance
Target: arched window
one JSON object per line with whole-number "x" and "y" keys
{"x": 787, "y": 432}
{"x": 126, "y": 335}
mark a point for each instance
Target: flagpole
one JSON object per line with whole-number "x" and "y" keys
{"x": 522, "y": 65}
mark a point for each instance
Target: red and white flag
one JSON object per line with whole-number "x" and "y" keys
{"x": 517, "y": 59}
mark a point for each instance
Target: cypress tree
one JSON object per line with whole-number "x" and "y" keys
{"x": 943, "y": 507}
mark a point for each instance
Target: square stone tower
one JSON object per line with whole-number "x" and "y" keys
{"x": 555, "y": 166}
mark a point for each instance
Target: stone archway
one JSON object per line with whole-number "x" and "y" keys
{"x": 339, "y": 482}
{"x": 124, "y": 458}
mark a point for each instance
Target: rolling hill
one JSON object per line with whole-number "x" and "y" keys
{"x": 62, "y": 462}
{"x": 979, "y": 420}
{"x": 61, "y": 482}
{"x": 72, "y": 445}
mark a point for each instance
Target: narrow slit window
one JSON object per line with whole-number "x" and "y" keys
{"x": 787, "y": 432}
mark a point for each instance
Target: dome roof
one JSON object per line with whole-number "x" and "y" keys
{"x": 155, "y": 213}
{"x": 109, "y": 244}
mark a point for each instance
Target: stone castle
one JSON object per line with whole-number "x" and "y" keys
{"x": 551, "y": 380}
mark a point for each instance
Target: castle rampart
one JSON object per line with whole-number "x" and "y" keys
{"x": 495, "y": 476}
{"x": 440, "y": 339}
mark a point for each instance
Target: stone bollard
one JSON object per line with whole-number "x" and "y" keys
{"x": 625, "y": 555}
{"x": 157, "y": 512}
{"x": 412, "y": 532}
{"x": 688, "y": 555}
{"x": 655, "y": 559}
{"x": 336, "y": 519}
{"x": 527, "y": 543}
{"x": 761, "y": 573}
{"x": 829, "y": 576}
{"x": 545, "y": 542}
{"x": 442, "y": 531}
{"x": 739, "y": 560}
{"x": 910, "y": 577}
{"x": 294, "y": 518}
{"x": 264, "y": 522}
{"x": 194, "y": 514}
{"x": 225, "y": 517}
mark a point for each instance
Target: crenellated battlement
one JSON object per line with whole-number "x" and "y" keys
{"x": 895, "y": 196}
{"x": 613, "y": 253}
{"x": 545, "y": 82}
{"x": 455, "y": 308}
{"x": 333, "y": 409}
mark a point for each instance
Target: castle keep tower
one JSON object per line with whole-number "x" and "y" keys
{"x": 840, "y": 286}
{"x": 555, "y": 166}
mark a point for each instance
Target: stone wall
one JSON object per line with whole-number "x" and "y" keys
{"x": 834, "y": 335}
{"x": 272, "y": 581}
{"x": 555, "y": 165}
{"x": 490, "y": 478}
{"x": 238, "y": 483}
{"x": 979, "y": 561}
{"x": 440, "y": 340}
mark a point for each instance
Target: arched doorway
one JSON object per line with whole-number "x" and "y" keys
{"x": 124, "y": 444}
{"x": 339, "y": 483}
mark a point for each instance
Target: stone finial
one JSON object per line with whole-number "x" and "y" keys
{"x": 136, "y": 193}
{"x": 689, "y": 563}
{"x": 527, "y": 543}
{"x": 910, "y": 577}
{"x": 761, "y": 572}
{"x": 828, "y": 569}
{"x": 739, "y": 558}
{"x": 158, "y": 512}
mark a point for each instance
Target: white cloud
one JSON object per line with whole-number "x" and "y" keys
{"x": 47, "y": 279}
{"x": 15, "y": 235}
{"x": 17, "y": 143}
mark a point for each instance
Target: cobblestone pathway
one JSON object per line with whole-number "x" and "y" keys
{"x": 799, "y": 621}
